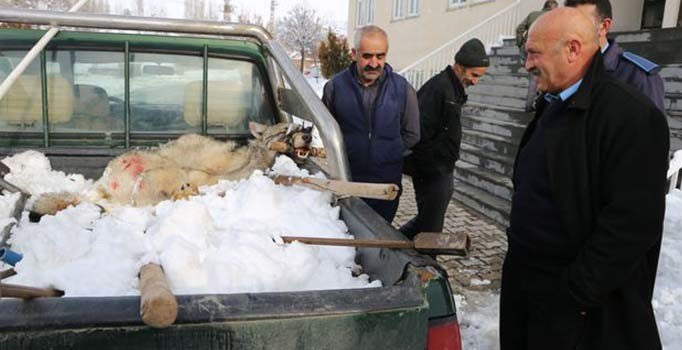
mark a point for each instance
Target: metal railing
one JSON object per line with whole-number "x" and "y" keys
{"x": 490, "y": 31}
{"x": 312, "y": 107}
{"x": 674, "y": 171}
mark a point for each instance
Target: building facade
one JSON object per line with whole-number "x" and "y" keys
{"x": 417, "y": 28}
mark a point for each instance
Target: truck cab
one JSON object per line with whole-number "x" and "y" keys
{"x": 112, "y": 83}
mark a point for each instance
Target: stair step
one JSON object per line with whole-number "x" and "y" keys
{"x": 485, "y": 88}
{"x": 673, "y": 103}
{"x": 488, "y": 161}
{"x": 495, "y": 184}
{"x": 489, "y": 143}
{"x": 498, "y": 113}
{"x": 493, "y": 126}
{"x": 505, "y": 79}
{"x": 506, "y": 60}
{"x": 514, "y": 70}
{"x": 673, "y": 87}
{"x": 509, "y": 42}
{"x": 505, "y": 51}
{"x": 490, "y": 206}
{"x": 518, "y": 104}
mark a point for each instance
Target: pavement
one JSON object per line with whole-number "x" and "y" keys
{"x": 482, "y": 269}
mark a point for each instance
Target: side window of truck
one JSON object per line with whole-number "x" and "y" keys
{"x": 86, "y": 97}
{"x": 21, "y": 108}
{"x": 87, "y": 87}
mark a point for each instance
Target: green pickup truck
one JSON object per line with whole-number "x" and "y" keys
{"x": 92, "y": 94}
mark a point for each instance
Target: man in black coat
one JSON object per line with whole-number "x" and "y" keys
{"x": 433, "y": 158}
{"x": 588, "y": 204}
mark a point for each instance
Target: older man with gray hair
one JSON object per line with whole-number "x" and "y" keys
{"x": 588, "y": 204}
{"x": 378, "y": 113}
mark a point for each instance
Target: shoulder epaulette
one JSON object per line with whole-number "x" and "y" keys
{"x": 639, "y": 61}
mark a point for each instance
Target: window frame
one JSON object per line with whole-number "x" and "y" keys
{"x": 127, "y": 138}
{"x": 457, "y": 3}
{"x": 413, "y": 8}
{"x": 398, "y": 11}
{"x": 365, "y": 12}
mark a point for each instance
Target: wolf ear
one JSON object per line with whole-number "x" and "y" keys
{"x": 257, "y": 129}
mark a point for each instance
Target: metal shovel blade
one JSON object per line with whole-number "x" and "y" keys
{"x": 457, "y": 243}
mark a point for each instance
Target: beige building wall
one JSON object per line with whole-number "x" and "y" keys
{"x": 627, "y": 15}
{"x": 412, "y": 38}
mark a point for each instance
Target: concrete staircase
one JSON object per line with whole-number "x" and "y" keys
{"x": 493, "y": 120}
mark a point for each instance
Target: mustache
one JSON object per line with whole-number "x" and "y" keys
{"x": 534, "y": 72}
{"x": 372, "y": 69}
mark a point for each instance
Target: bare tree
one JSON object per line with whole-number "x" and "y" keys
{"x": 301, "y": 30}
{"x": 271, "y": 22}
{"x": 248, "y": 18}
{"x": 227, "y": 11}
{"x": 58, "y": 5}
{"x": 140, "y": 7}
{"x": 194, "y": 9}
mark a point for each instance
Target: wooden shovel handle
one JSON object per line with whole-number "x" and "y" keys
{"x": 369, "y": 243}
{"x": 344, "y": 188}
{"x": 24, "y": 292}
{"x": 158, "y": 306}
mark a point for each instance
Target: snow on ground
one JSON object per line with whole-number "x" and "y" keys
{"x": 223, "y": 241}
{"x": 478, "y": 311}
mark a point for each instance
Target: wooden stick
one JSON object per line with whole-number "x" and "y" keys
{"x": 367, "y": 243}
{"x": 7, "y": 273}
{"x": 457, "y": 243}
{"x": 344, "y": 188}
{"x": 158, "y": 306}
{"x": 24, "y": 292}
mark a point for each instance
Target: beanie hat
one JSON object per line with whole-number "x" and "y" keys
{"x": 472, "y": 54}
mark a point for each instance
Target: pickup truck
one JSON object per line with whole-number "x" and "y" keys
{"x": 81, "y": 104}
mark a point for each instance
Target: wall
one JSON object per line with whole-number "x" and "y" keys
{"x": 627, "y": 14}
{"x": 412, "y": 38}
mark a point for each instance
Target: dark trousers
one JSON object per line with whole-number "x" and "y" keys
{"x": 386, "y": 209}
{"x": 534, "y": 315}
{"x": 433, "y": 194}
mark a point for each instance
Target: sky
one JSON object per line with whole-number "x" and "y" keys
{"x": 334, "y": 12}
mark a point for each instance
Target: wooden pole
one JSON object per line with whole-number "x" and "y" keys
{"x": 24, "y": 292}
{"x": 343, "y": 188}
{"x": 369, "y": 243}
{"x": 158, "y": 306}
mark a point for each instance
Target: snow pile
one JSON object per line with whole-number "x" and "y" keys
{"x": 31, "y": 171}
{"x": 222, "y": 241}
{"x": 667, "y": 299}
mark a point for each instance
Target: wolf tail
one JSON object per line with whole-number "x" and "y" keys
{"x": 52, "y": 202}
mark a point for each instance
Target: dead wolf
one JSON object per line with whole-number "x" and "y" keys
{"x": 177, "y": 169}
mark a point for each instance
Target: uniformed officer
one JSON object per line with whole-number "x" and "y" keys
{"x": 627, "y": 67}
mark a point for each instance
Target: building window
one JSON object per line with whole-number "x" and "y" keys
{"x": 398, "y": 11}
{"x": 365, "y": 12}
{"x": 413, "y": 8}
{"x": 456, "y": 3}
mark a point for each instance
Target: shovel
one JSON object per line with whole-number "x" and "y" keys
{"x": 433, "y": 243}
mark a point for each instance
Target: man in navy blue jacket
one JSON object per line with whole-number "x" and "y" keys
{"x": 625, "y": 66}
{"x": 378, "y": 113}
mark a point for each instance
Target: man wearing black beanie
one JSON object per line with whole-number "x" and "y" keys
{"x": 432, "y": 161}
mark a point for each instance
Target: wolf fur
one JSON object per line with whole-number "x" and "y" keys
{"x": 177, "y": 169}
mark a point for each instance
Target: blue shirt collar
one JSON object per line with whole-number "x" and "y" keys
{"x": 606, "y": 47}
{"x": 564, "y": 95}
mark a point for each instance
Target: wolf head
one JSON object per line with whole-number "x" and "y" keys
{"x": 295, "y": 137}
